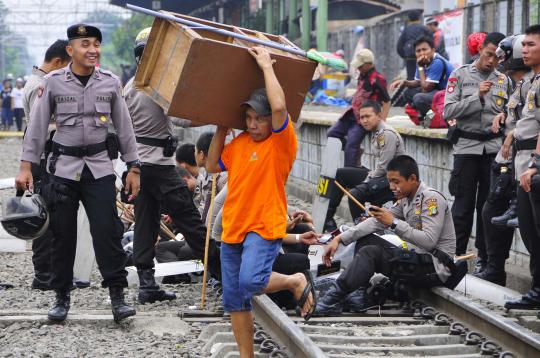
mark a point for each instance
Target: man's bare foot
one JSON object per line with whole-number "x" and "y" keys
{"x": 300, "y": 285}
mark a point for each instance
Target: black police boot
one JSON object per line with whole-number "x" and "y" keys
{"x": 149, "y": 291}
{"x": 329, "y": 225}
{"x": 41, "y": 281}
{"x": 509, "y": 214}
{"x": 357, "y": 301}
{"x": 60, "y": 309}
{"x": 529, "y": 301}
{"x": 494, "y": 272}
{"x": 479, "y": 265}
{"x": 120, "y": 308}
{"x": 513, "y": 223}
{"x": 332, "y": 302}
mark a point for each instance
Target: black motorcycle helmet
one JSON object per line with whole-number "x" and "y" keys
{"x": 138, "y": 50}
{"x": 510, "y": 48}
{"x": 25, "y": 217}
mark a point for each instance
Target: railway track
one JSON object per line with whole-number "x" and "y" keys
{"x": 441, "y": 323}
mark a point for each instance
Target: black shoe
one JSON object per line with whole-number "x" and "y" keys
{"x": 81, "y": 283}
{"x": 529, "y": 301}
{"x": 509, "y": 214}
{"x": 493, "y": 273}
{"x": 42, "y": 281}
{"x": 331, "y": 303}
{"x": 149, "y": 291}
{"x": 330, "y": 225}
{"x": 513, "y": 223}
{"x": 60, "y": 309}
{"x": 120, "y": 309}
{"x": 356, "y": 301}
{"x": 479, "y": 266}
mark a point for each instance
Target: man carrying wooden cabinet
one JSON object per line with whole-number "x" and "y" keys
{"x": 258, "y": 163}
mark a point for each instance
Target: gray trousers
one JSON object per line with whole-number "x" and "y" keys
{"x": 419, "y": 100}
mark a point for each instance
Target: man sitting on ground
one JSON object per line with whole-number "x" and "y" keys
{"x": 422, "y": 219}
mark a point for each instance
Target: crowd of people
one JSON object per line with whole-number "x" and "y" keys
{"x": 234, "y": 183}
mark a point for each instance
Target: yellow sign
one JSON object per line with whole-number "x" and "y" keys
{"x": 322, "y": 186}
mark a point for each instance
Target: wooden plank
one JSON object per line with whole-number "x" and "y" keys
{"x": 150, "y": 55}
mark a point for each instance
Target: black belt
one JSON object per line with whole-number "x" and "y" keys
{"x": 479, "y": 136}
{"x": 525, "y": 144}
{"x": 84, "y": 151}
{"x": 154, "y": 142}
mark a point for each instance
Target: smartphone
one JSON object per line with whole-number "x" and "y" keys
{"x": 326, "y": 238}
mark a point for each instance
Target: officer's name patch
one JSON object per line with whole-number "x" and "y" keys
{"x": 65, "y": 99}
{"x": 103, "y": 98}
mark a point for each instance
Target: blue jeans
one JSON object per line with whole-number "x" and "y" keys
{"x": 7, "y": 117}
{"x": 246, "y": 269}
{"x": 351, "y": 135}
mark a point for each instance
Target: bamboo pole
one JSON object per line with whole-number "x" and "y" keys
{"x": 207, "y": 242}
{"x": 352, "y": 197}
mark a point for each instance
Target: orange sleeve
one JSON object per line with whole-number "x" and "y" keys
{"x": 285, "y": 137}
{"x": 226, "y": 155}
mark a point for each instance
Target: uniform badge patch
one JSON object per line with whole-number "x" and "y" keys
{"x": 253, "y": 157}
{"x": 530, "y": 106}
{"x": 103, "y": 118}
{"x": 499, "y": 102}
{"x": 380, "y": 140}
{"x": 432, "y": 207}
{"x": 417, "y": 212}
{"x": 40, "y": 91}
{"x": 418, "y": 226}
{"x": 452, "y": 82}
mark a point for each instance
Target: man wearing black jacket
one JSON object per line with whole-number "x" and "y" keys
{"x": 405, "y": 46}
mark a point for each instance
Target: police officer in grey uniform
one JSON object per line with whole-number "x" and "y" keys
{"x": 475, "y": 94}
{"x": 56, "y": 58}
{"x": 161, "y": 188}
{"x": 386, "y": 143}
{"x": 527, "y": 161}
{"x": 421, "y": 218}
{"x": 83, "y": 100}
{"x": 499, "y": 238}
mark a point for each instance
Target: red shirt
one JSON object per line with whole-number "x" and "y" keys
{"x": 371, "y": 87}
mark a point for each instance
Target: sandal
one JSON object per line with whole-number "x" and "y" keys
{"x": 310, "y": 288}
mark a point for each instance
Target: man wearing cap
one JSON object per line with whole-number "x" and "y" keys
{"x": 161, "y": 188}
{"x": 258, "y": 162}
{"x": 438, "y": 36}
{"x": 83, "y": 100}
{"x": 371, "y": 87}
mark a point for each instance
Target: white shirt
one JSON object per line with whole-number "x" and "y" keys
{"x": 17, "y": 95}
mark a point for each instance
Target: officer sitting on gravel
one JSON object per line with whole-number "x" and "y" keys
{"x": 422, "y": 219}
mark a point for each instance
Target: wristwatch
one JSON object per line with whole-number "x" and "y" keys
{"x": 394, "y": 224}
{"x": 133, "y": 164}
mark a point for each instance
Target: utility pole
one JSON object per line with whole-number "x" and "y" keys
{"x": 322, "y": 25}
{"x": 306, "y": 24}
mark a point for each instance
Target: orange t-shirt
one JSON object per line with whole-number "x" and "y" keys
{"x": 257, "y": 171}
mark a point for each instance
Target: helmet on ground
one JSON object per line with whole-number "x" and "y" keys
{"x": 25, "y": 217}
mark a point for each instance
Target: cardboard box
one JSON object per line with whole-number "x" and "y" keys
{"x": 203, "y": 76}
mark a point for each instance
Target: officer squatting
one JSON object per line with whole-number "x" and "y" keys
{"x": 258, "y": 246}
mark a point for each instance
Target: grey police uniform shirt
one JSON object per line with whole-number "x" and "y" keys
{"x": 149, "y": 120}
{"x": 528, "y": 126}
{"x": 513, "y": 109}
{"x": 425, "y": 222}
{"x": 386, "y": 144}
{"x": 31, "y": 89}
{"x": 462, "y": 103}
{"x": 82, "y": 115}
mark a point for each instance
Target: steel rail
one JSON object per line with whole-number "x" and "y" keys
{"x": 283, "y": 329}
{"x": 504, "y": 331}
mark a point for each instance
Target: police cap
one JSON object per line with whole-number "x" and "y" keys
{"x": 80, "y": 31}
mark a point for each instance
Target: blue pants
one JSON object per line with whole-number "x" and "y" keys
{"x": 351, "y": 135}
{"x": 7, "y": 117}
{"x": 246, "y": 269}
